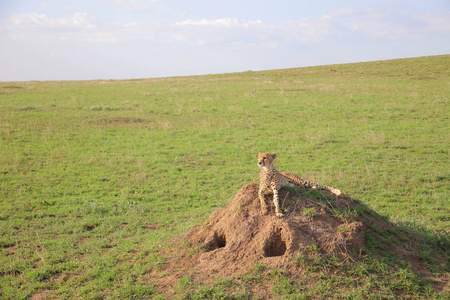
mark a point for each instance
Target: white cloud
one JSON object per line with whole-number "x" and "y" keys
{"x": 136, "y": 5}
{"x": 304, "y": 30}
{"x": 77, "y": 27}
{"x": 369, "y": 23}
{"x": 253, "y": 32}
{"x": 343, "y": 11}
{"x": 435, "y": 22}
{"x": 222, "y": 22}
{"x": 46, "y": 4}
{"x": 221, "y": 31}
{"x": 42, "y": 21}
{"x": 387, "y": 22}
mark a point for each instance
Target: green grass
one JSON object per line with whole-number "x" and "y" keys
{"x": 96, "y": 176}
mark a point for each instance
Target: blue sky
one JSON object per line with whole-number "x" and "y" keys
{"x": 122, "y": 39}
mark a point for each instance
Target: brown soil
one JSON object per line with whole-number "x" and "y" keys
{"x": 236, "y": 237}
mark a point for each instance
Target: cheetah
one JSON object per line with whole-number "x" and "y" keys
{"x": 270, "y": 182}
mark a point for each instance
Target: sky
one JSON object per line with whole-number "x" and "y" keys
{"x": 130, "y": 39}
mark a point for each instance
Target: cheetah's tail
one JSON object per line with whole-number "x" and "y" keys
{"x": 323, "y": 187}
{"x": 312, "y": 185}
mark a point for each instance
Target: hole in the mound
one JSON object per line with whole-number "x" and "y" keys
{"x": 218, "y": 241}
{"x": 275, "y": 246}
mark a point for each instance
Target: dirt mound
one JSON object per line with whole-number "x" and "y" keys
{"x": 236, "y": 237}
{"x": 236, "y": 240}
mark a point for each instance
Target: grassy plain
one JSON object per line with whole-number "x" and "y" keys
{"x": 97, "y": 176}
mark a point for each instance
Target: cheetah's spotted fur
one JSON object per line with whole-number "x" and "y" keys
{"x": 270, "y": 182}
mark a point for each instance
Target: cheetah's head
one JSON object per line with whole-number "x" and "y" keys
{"x": 266, "y": 159}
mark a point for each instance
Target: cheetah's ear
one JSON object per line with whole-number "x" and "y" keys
{"x": 274, "y": 155}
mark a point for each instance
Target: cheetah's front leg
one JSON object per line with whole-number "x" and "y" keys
{"x": 263, "y": 202}
{"x": 276, "y": 201}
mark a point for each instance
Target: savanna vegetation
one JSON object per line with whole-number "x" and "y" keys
{"x": 98, "y": 177}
